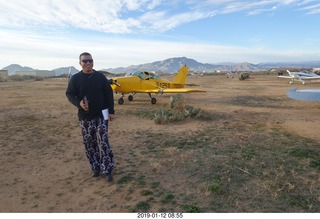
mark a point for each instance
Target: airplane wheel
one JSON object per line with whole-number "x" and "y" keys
{"x": 153, "y": 100}
{"x": 120, "y": 101}
{"x": 130, "y": 98}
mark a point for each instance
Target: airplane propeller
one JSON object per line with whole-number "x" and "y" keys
{"x": 111, "y": 81}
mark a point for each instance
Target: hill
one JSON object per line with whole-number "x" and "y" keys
{"x": 15, "y": 67}
{"x": 172, "y": 65}
{"x": 65, "y": 70}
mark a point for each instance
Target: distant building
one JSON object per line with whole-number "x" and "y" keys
{"x": 4, "y": 75}
{"x": 38, "y": 73}
{"x": 315, "y": 69}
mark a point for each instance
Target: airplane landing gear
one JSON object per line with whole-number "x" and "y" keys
{"x": 153, "y": 100}
{"x": 130, "y": 98}
{"x": 120, "y": 101}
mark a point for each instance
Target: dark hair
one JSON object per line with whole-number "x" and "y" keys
{"x": 84, "y": 54}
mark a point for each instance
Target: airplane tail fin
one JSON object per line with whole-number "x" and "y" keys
{"x": 181, "y": 76}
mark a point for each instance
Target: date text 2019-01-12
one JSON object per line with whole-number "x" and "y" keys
{"x": 160, "y": 215}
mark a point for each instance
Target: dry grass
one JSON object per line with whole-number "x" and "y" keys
{"x": 245, "y": 156}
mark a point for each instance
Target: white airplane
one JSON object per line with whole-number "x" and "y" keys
{"x": 232, "y": 74}
{"x": 307, "y": 95}
{"x": 300, "y": 76}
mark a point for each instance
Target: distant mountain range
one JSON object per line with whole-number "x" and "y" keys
{"x": 58, "y": 71}
{"x": 173, "y": 64}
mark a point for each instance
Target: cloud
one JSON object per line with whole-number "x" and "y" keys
{"x": 312, "y": 9}
{"x": 52, "y": 52}
{"x": 49, "y": 34}
{"x": 127, "y": 16}
{"x": 91, "y": 15}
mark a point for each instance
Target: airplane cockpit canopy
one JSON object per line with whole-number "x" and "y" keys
{"x": 144, "y": 75}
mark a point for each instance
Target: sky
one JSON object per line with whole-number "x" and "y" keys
{"x": 48, "y": 34}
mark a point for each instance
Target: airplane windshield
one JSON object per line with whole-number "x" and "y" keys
{"x": 138, "y": 73}
{"x": 154, "y": 76}
{"x": 145, "y": 75}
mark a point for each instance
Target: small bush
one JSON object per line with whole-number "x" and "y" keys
{"x": 214, "y": 187}
{"x": 168, "y": 198}
{"x": 145, "y": 192}
{"x": 142, "y": 206}
{"x": 177, "y": 103}
{"x": 315, "y": 163}
{"x": 178, "y": 111}
{"x": 191, "y": 209}
{"x": 244, "y": 76}
{"x": 124, "y": 179}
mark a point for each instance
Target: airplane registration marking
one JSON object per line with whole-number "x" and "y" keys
{"x": 163, "y": 84}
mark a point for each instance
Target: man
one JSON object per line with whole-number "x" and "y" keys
{"x": 90, "y": 91}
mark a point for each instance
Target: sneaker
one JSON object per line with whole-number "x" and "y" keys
{"x": 109, "y": 177}
{"x": 96, "y": 173}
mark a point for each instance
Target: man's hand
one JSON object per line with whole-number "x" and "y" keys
{"x": 84, "y": 106}
{"x": 111, "y": 117}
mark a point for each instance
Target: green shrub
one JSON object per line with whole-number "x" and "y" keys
{"x": 178, "y": 111}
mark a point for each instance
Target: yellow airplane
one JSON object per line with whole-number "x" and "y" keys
{"x": 149, "y": 82}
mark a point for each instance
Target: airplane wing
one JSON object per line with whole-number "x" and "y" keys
{"x": 281, "y": 76}
{"x": 307, "y": 95}
{"x": 310, "y": 78}
{"x": 169, "y": 90}
{"x": 187, "y": 84}
{"x": 180, "y": 90}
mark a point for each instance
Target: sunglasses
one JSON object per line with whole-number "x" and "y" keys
{"x": 87, "y": 60}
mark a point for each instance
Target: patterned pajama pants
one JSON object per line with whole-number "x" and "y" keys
{"x": 95, "y": 140}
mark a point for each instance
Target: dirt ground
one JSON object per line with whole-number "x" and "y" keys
{"x": 44, "y": 168}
